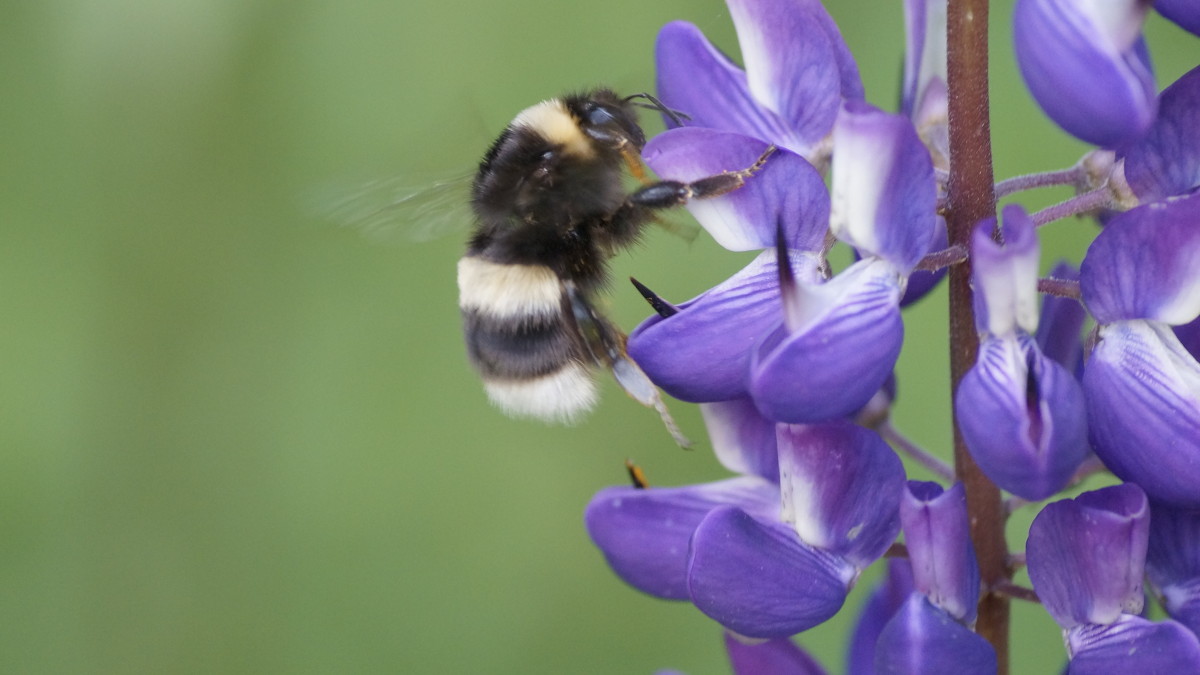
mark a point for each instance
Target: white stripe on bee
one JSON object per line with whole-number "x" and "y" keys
{"x": 562, "y": 396}
{"x": 505, "y": 291}
{"x": 553, "y": 122}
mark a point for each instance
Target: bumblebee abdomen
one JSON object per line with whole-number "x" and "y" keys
{"x": 521, "y": 342}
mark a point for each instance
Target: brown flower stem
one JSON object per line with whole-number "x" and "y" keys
{"x": 970, "y": 198}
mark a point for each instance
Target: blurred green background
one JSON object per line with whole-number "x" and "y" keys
{"x": 238, "y": 438}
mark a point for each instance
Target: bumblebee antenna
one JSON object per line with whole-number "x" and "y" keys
{"x": 654, "y": 104}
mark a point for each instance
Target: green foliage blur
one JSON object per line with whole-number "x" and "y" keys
{"x": 236, "y": 437}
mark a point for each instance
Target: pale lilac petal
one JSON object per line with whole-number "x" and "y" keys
{"x": 756, "y": 578}
{"x": 877, "y": 611}
{"x": 780, "y": 656}
{"x": 832, "y": 363}
{"x": 1143, "y": 403}
{"x": 786, "y": 192}
{"x": 1022, "y": 417}
{"x": 695, "y": 78}
{"x": 841, "y": 487}
{"x": 1086, "y": 555}
{"x": 1085, "y": 64}
{"x": 1166, "y": 161}
{"x": 1145, "y": 264}
{"x": 702, "y": 353}
{"x": 924, "y": 97}
{"x": 883, "y": 191}
{"x": 1186, "y": 13}
{"x": 644, "y": 533}
{"x": 795, "y": 62}
{"x": 1005, "y": 275}
{"x": 1173, "y": 561}
{"x": 938, "y": 538}
{"x": 1133, "y": 645}
{"x": 922, "y": 639}
{"x": 743, "y": 440}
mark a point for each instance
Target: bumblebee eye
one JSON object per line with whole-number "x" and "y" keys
{"x": 600, "y": 116}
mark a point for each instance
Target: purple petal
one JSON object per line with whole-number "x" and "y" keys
{"x": 841, "y": 487}
{"x": 1145, "y": 264}
{"x": 938, "y": 537}
{"x": 644, "y": 534}
{"x": 1085, "y": 64}
{"x": 787, "y": 191}
{"x": 702, "y": 353}
{"x": 923, "y": 639}
{"x": 744, "y": 440}
{"x": 877, "y": 611}
{"x": 780, "y": 656}
{"x": 1086, "y": 555}
{"x": 796, "y": 62}
{"x": 1186, "y": 13}
{"x": 695, "y": 78}
{"x": 833, "y": 363}
{"x": 1060, "y": 325}
{"x": 923, "y": 99}
{"x": 1022, "y": 417}
{"x": 1173, "y": 561}
{"x": 921, "y": 282}
{"x": 756, "y": 578}
{"x": 1166, "y": 161}
{"x": 1133, "y": 645}
{"x": 1189, "y": 337}
{"x": 1005, "y": 276}
{"x": 883, "y": 191}
{"x": 1143, "y": 404}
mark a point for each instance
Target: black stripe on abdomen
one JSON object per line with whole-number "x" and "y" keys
{"x": 519, "y": 348}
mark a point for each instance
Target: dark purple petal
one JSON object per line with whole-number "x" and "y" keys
{"x": 1145, "y": 264}
{"x": 756, "y": 578}
{"x": 1189, "y": 337}
{"x": 1005, "y": 276}
{"x": 702, "y": 353}
{"x": 938, "y": 537}
{"x": 1186, "y": 13}
{"x": 1085, "y": 64}
{"x": 877, "y": 611}
{"x": 743, "y": 440}
{"x": 1060, "y": 325}
{"x": 695, "y": 78}
{"x": 1086, "y": 555}
{"x": 787, "y": 191}
{"x": 1133, "y": 645}
{"x": 796, "y": 62}
{"x": 780, "y": 656}
{"x": 831, "y": 365}
{"x": 644, "y": 534}
{"x": 1166, "y": 161}
{"x": 1022, "y": 417}
{"x": 923, "y": 639}
{"x": 841, "y": 487}
{"x": 921, "y": 282}
{"x": 1173, "y": 561}
{"x": 883, "y": 190}
{"x": 1143, "y": 404}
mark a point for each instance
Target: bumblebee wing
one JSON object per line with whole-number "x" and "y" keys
{"x": 399, "y": 209}
{"x": 606, "y": 344}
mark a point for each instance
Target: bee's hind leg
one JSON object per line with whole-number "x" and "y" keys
{"x": 668, "y": 193}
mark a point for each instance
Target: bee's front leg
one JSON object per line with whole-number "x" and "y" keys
{"x": 668, "y": 193}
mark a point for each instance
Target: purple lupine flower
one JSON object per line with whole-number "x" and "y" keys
{"x": 887, "y": 598}
{"x": 1141, "y": 276}
{"x": 1185, "y": 13}
{"x": 839, "y": 340}
{"x": 1166, "y": 161}
{"x": 930, "y": 632}
{"x": 923, "y": 98}
{"x": 1086, "y": 559}
{"x": 798, "y": 71}
{"x": 779, "y": 656}
{"x": 1060, "y": 325}
{"x": 701, "y": 352}
{"x": 1087, "y": 66}
{"x": 1021, "y": 413}
{"x": 1173, "y": 562}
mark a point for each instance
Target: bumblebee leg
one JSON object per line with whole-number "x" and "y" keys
{"x": 668, "y": 193}
{"x": 606, "y": 345}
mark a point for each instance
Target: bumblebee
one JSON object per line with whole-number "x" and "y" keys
{"x": 551, "y": 208}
